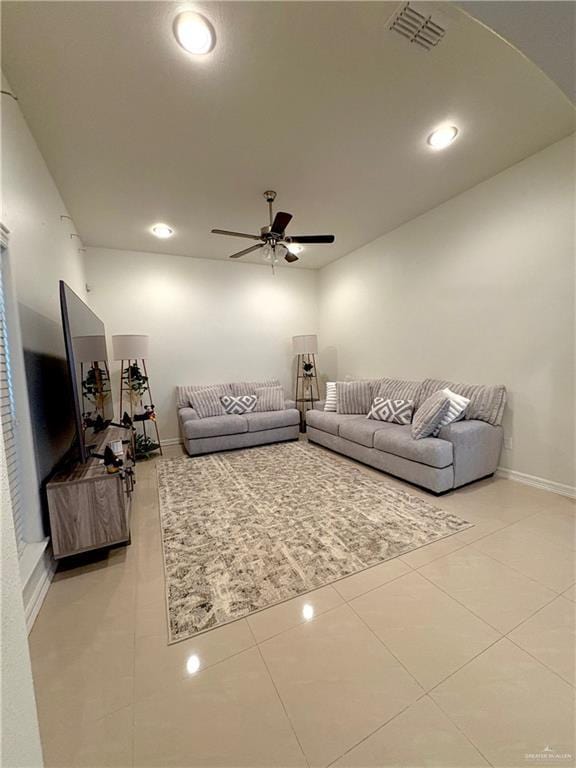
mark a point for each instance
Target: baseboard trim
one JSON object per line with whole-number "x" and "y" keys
{"x": 537, "y": 482}
{"x": 35, "y": 589}
{"x": 172, "y": 441}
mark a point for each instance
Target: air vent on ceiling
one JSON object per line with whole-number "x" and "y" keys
{"x": 417, "y": 27}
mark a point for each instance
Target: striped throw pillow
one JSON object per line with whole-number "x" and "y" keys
{"x": 269, "y": 399}
{"x": 331, "y": 403}
{"x": 239, "y": 405}
{"x": 429, "y": 415}
{"x": 456, "y": 411}
{"x": 353, "y": 396}
{"x": 206, "y": 402}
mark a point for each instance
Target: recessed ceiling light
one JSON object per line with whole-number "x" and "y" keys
{"x": 194, "y": 33}
{"x": 162, "y": 231}
{"x": 442, "y": 137}
{"x": 295, "y": 248}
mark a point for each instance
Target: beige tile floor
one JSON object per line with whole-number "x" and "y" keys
{"x": 458, "y": 654}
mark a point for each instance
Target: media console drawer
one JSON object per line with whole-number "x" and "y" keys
{"x": 89, "y": 508}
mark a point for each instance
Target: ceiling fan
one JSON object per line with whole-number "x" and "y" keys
{"x": 274, "y": 240}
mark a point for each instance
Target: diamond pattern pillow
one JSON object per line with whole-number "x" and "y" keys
{"x": 429, "y": 415}
{"x": 392, "y": 411}
{"x": 238, "y": 405}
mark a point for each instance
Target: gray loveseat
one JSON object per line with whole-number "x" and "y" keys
{"x": 222, "y": 433}
{"x": 462, "y": 452}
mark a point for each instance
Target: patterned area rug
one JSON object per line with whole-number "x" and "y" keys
{"x": 247, "y": 529}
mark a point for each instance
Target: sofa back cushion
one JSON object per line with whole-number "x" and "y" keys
{"x": 183, "y": 392}
{"x": 269, "y": 399}
{"x": 353, "y": 396}
{"x": 206, "y": 402}
{"x": 396, "y": 389}
{"x": 487, "y": 401}
{"x": 249, "y": 387}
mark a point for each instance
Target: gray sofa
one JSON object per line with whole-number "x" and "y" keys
{"x": 222, "y": 433}
{"x": 462, "y": 452}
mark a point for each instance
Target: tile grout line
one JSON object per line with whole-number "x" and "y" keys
{"x": 379, "y": 728}
{"x": 459, "y": 729}
{"x": 379, "y": 639}
{"x": 288, "y": 718}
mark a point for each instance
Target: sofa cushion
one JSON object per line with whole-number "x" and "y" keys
{"x": 214, "y": 426}
{"x": 327, "y": 421}
{"x": 362, "y": 430}
{"x": 487, "y": 401}
{"x": 353, "y": 396}
{"x": 272, "y": 419}
{"x": 250, "y": 387}
{"x": 183, "y": 392}
{"x": 429, "y": 450}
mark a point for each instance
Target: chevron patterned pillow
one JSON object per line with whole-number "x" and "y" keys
{"x": 238, "y": 405}
{"x": 394, "y": 411}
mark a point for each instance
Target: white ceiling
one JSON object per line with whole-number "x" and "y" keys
{"x": 319, "y": 101}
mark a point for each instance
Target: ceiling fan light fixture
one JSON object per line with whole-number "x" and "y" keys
{"x": 295, "y": 249}
{"x": 163, "y": 231}
{"x": 442, "y": 137}
{"x": 194, "y": 33}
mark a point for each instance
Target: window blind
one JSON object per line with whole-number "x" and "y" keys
{"x": 9, "y": 425}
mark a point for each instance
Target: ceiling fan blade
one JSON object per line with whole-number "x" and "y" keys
{"x": 246, "y": 250}
{"x": 234, "y": 234}
{"x": 291, "y": 257}
{"x": 281, "y": 221}
{"x": 311, "y": 239}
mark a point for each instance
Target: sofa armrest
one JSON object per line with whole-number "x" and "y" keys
{"x": 187, "y": 414}
{"x": 476, "y": 447}
{"x": 319, "y": 405}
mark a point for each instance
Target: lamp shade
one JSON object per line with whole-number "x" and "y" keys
{"x": 90, "y": 349}
{"x": 305, "y": 345}
{"x": 130, "y": 347}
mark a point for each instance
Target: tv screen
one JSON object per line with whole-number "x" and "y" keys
{"x": 85, "y": 341}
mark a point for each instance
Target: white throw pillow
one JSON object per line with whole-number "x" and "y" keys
{"x": 458, "y": 405}
{"x": 331, "y": 403}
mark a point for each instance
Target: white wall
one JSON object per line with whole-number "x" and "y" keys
{"x": 208, "y": 321}
{"x": 40, "y": 253}
{"x": 479, "y": 289}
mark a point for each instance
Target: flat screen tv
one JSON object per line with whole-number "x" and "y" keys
{"x": 85, "y": 341}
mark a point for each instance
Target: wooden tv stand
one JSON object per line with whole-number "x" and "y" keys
{"x": 88, "y": 507}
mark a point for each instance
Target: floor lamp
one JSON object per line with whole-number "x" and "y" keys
{"x": 131, "y": 350}
{"x": 307, "y": 391}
